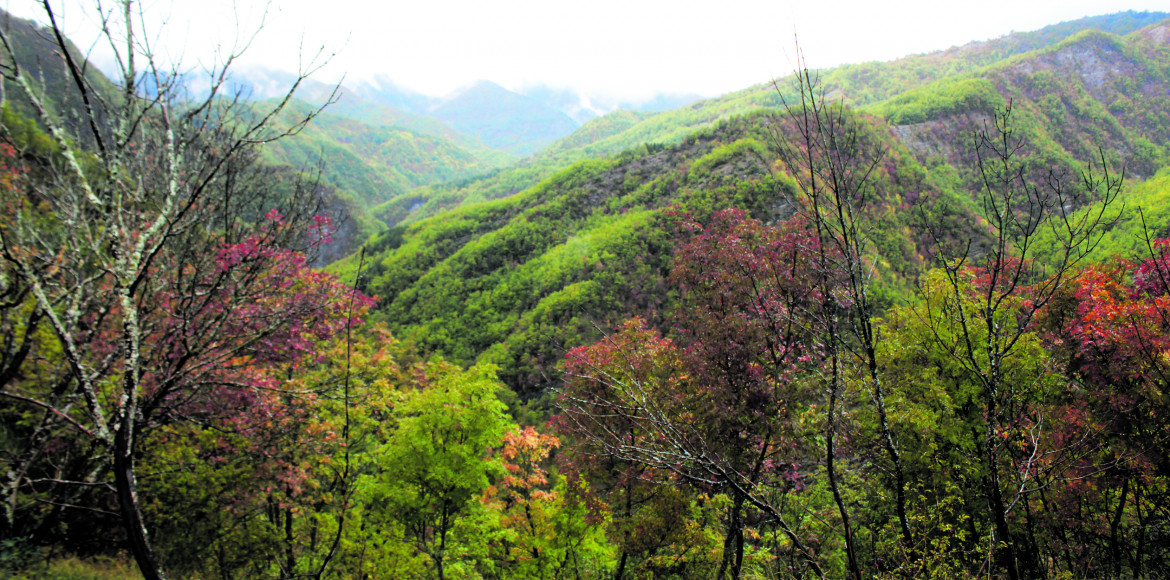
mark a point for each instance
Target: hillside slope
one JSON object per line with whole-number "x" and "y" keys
{"x": 1094, "y": 92}
{"x": 38, "y": 56}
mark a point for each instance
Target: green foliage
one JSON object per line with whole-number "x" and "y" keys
{"x": 378, "y": 461}
{"x": 951, "y": 81}
{"x": 38, "y": 54}
{"x": 872, "y": 82}
{"x": 724, "y": 154}
{"x": 597, "y": 129}
{"x": 462, "y": 284}
{"x": 940, "y": 100}
{"x": 515, "y": 281}
{"x": 378, "y": 115}
{"x": 941, "y": 407}
{"x": 437, "y": 461}
{"x": 25, "y": 134}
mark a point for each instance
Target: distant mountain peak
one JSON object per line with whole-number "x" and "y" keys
{"x": 503, "y": 119}
{"x": 480, "y": 86}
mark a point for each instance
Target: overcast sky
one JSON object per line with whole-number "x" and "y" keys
{"x": 618, "y": 47}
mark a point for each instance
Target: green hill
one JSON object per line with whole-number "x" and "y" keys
{"x": 515, "y": 280}
{"x": 365, "y": 163}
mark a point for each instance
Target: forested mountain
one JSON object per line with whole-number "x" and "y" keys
{"x": 384, "y": 142}
{"x": 892, "y": 320}
{"x": 482, "y": 115}
{"x": 1002, "y": 157}
{"x": 518, "y": 280}
{"x": 365, "y": 162}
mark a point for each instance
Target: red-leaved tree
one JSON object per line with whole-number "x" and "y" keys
{"x": 1112, "y": 329}
{"x": 718, "y": 409}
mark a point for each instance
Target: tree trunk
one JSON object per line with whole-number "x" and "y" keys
{"x": 290, "y": 559}
{"x": 1114, "y": 527}
{"x": 444, "y": 525}
{"x": 621, "y": 569}
{"x": 1139, "y": 552}
{"x": 831, "y": 459}
{"x": 995, "y": 502}
{"x": 126, "y": 485}
{"x": 629, "y": 514}
{"x": 888, "y": 442}
{"x": 733, "y": 541}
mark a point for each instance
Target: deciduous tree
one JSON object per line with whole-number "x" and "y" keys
{"x": 438, "y": 460}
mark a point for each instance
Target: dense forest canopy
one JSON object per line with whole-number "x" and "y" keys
{"x": 891, "y": 320}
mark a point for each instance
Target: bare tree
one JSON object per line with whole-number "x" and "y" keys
{"x": 993, "y": 298}
{"x": 821, "y": 145}
{"x": 118, "y": 248}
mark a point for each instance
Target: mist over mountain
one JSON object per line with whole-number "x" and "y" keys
{"x": 582, "y": 106}
{"x": 520, "y": 123}
{"x": 383, "y": 90}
